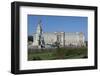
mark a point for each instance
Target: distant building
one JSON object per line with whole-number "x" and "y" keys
{"x": 65, "y": 39}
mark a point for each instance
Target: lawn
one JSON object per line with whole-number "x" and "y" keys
{"x": 57, "y": 53}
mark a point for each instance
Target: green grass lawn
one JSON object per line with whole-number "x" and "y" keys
{"x": 58, "y": 53}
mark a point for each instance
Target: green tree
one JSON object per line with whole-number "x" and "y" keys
{"x": 30, "y": 38}
{"x": 57, "y": 44}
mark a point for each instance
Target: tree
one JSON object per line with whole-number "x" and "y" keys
{"x": 86, "y": 42}
{"x": 57, "y": 44}
{"x": 30, "y": 38}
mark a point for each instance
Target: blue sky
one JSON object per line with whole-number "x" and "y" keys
{"x": 58, "y": 24}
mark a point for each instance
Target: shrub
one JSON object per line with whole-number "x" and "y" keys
{"x": 36, "y": 58}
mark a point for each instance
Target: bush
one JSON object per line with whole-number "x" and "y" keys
{"x": 36, "y": 58}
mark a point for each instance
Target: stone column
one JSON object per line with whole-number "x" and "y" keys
{"x": 63, "y": 38}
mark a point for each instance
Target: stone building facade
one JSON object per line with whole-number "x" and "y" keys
{"x": 65, "y": 39}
